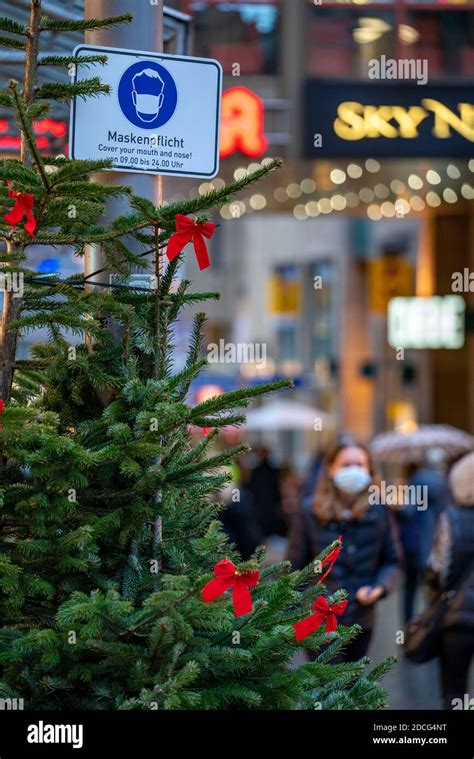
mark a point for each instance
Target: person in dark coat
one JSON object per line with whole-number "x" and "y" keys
{"x": 238, "y": 521}
{"x": 451, "y": 570}
{"x": 313, "y": 475}
{"x": 238, "y": 518}
{"x": 264, "y": 486}
{"x": 368, "y": 565}
{"x": 417, "y": 523}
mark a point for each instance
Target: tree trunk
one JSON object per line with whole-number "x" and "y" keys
{"x": 11, "y": 311}
{"x": 12, "y": 304}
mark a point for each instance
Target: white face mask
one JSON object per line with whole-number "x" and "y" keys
{"x": 352, "y": 479}
{"x": 147, "y": 106}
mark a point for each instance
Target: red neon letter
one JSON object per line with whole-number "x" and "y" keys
{"x": 242, "y": 123}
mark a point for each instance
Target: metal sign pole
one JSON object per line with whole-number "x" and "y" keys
{"x": 145, "y": 32}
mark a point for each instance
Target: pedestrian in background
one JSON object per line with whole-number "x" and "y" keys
{"x": 238, "y": 517}
{"x": 291, "y": 491}
{"x": 417, "y": 520}
{"x": 451, "y": 570}
{"x": 313, "y": 474}
{"x": 367, "y": 567}
{"x": 264, "y": 486}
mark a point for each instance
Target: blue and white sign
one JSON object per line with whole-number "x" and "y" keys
{"x": 162, "y": 117}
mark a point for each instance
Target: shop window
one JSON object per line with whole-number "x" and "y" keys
{"x": 323, "y": 310}
{"x": 446, "y": 40}
{"x": 237, "y": 34}
{"x": 341, "y": 41}
{"x": 287, "y": 342}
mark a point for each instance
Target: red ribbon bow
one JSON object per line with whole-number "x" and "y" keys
{"x": 187, "y": 230}
{"x": 24, "y": 202}
{"x": 330, "y": 559}
{"x": 324, "y": 612}
{"x": 227, "y": 576}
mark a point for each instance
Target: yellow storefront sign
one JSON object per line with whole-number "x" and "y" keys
{"x": 284, "y": 295}
{"x": 389, "y": 277}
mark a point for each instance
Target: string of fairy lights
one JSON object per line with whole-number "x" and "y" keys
{"x": 381, "y": 200}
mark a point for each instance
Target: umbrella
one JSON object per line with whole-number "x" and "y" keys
{"x": 412, "y": 446}
{"x": 285, "y": 415}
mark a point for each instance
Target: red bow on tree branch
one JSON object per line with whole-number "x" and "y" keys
{"x": 330, "y": 560}
{"x": 324, "y": 613}
{"x": 228, "y": 576}
{"x": 187, "y": 230}
{"x": 24, "y": 202}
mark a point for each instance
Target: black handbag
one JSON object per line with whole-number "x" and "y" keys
{"x": 423, "y": 632}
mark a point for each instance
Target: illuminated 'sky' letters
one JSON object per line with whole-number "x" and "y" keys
{"x": 356, "y": 121}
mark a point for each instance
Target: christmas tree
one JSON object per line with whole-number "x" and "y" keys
{"x": 109, "y": 524}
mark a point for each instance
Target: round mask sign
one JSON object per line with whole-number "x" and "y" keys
{"x": 147, "y": 95}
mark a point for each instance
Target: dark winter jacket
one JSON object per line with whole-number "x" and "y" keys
{"x": 451, "y": 565}
{"x": 264, "y": 486}
{"x": 417, "y": 525}
{"x": 241, "y": 525}
{"x": 371, "y": 555}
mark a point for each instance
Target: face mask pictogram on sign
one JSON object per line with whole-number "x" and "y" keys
{"x": 148, "y": 94}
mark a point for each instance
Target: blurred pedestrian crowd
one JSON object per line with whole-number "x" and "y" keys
{"x": 422, "y": 540}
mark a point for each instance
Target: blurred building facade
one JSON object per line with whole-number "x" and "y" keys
{"x": 377, "y": 207}
{"x": 324, "y": 245}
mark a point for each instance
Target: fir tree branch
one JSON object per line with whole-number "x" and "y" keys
{"x": 165, "y": 216}
{"x": 8, "y": 25}
{"x": 200, "y": 447}
{"x": 74, "y": 170}
{"x": 12, "y": 43}
{"x": 110, "y": 233}
{"x": 15, "y": 171}
{"x": 195, "y": 341}
{"x": 27, "y": 133}
{"x": 66, "y": 25}
{"x": 236, "y": 398}
{"x": 213, "y": 462}
{"x": 183, "y": 379}
{"x": 161, "y": 612}
{"x": 84, "y": 88}
{"x": 237, "y": 626}
{"x": 72, "y": 60}
{"x": 226, "y": 420}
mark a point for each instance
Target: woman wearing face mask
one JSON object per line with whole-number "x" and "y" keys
{"x": 367, "y": 567}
